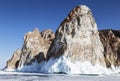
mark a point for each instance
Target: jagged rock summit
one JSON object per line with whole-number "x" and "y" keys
{"x": 76, "y": 34}
{"x": 35, "y": 47}
{"x": 76, "y": 45}
{"x": 76, "y": 48}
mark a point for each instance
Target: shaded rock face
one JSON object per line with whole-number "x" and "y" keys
{"x": 111, "y": 42}
{"x": 13, "y": 62}
{"x": 35, "y": 48}
{"x": 77, "y": 38}
{"x": 48, "y": 35}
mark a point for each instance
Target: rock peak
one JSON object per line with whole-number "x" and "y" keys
{"x": 36, "y": 30}
{"x": 79, "y": 24}
{"x": 77, "y": 39}
{"x": 77, "y": 12}
{"x": 83, "y": 7}
{"x": 35, "y": 47}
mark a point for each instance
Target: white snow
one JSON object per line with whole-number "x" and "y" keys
{"x": 34, "y": 67}
{"x": 10, "y": 70}
{"x": 64, "y": 65}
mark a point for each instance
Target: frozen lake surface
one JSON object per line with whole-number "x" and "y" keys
{"x": 14, "y": 76}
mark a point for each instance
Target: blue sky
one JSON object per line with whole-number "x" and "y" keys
{"x": 17, "y": 17}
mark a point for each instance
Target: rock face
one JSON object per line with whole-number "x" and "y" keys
{"x": 78, "y": 36}
{"x": 13, "y": 62}
{"x": 35, "y": 48}
{"x": 76, "y": 41}
{"x": 77, "y": 47}
{"x": 111, "y": 42}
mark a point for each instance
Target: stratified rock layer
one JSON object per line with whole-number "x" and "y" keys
{"x": 111, "y": 42}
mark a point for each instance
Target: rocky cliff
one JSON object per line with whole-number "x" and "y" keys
{"x": 76, "y": 48}
{"x": 111, "y": 42}
{"x": 35, "y": 48}
{"x": 78, "y": 38}
{"x": 14, "y": 61}
{"x": 76, "y": 42}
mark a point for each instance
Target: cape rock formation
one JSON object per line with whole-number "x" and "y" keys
{"x": 76, "y": 48}
{"x": 77, "y": 44}
{"x": 35, "y": 48}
